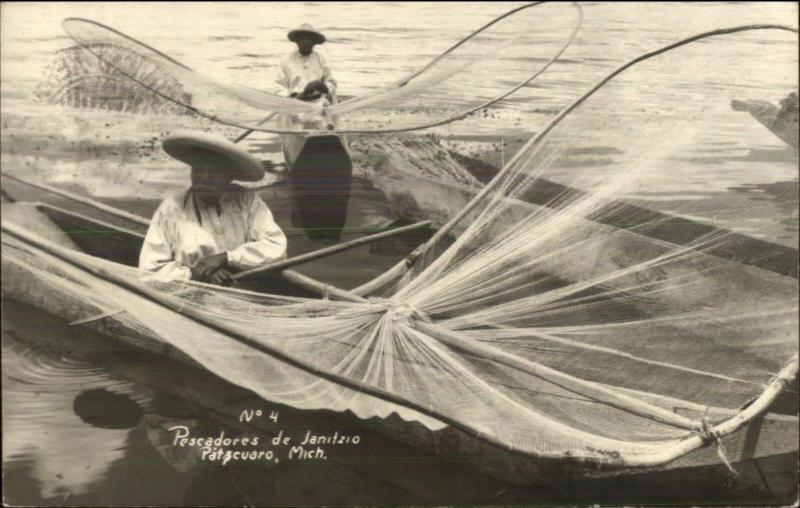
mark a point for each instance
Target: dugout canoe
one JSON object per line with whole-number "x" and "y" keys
{"x": 320, "y": 174}
{"x": 768, "y": 436}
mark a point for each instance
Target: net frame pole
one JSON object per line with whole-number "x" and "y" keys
{"x": 250, "y": 131}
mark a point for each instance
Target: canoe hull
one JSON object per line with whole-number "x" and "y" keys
{"x": 21, "y": 282}
{"x": 762, "y": 267}
{"x": 320, "y": 175}
{"x": 784, "y": 126}
{"x": 767, "y": 437}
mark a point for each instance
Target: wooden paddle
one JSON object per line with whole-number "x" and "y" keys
{"x": 327, "y": 251}
{"x": 250, "y": 131}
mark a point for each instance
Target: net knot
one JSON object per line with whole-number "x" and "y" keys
{"x": 709, "y": 435}
{"x": 707, "y": 432}
{"x": 402, "y": 311}
{"x": 412, "y": 258}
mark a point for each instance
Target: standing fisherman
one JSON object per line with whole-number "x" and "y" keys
{"x": 320, "y": 169}
{"x": 304, "y": 73}
{"x": 214, "y": 228}
{"x": 305, "y": 76}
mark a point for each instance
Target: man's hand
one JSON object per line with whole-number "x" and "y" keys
{"x": 313, "y": 87}
{"x": 222, "y": 277}
{"x": 206, "y": 267}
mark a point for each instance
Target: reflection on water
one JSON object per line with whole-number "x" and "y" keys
{"x": 87, "y": 421}
{"x": 40, "y": 384}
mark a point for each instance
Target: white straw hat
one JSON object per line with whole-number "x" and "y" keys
{"x": 306, "y": 28}
{"x": 200, "y": 149}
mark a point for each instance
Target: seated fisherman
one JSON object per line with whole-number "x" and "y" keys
{"x": 214, "y": 228}
{"x": 304, "y": 73}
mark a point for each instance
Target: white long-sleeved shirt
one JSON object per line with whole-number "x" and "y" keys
{"x": 298, "y": 70}
{"x": 242, "y": 226}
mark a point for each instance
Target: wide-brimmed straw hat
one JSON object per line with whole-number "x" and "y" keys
{"x": 199, "y": 149}
{"x": 306, "y": 28}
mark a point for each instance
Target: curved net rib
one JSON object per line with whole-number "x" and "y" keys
{"x": 467, "y": 77}
{"x": 461, "y": 81}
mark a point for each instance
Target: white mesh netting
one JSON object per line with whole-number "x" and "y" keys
{"x": 560, "y": 316}
{"x": 464, "y": 79}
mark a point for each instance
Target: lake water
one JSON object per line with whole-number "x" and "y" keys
{"x": 58, "y": 451}
{"x": 745, "y": 172}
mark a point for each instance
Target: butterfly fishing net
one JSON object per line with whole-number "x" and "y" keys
{"x": 85, "y": 77}
{"x": 588, "y": 305}
{"x": 569, "y": 261}
{"x": 460, "y": 81}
